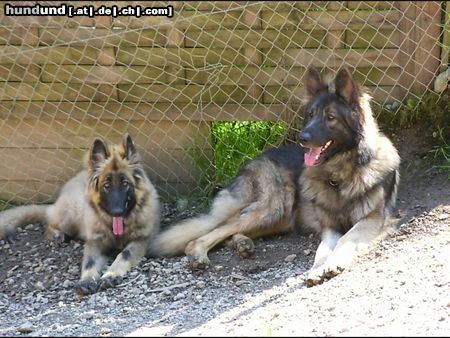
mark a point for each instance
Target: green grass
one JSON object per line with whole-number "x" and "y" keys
{"x": 234, "y": 144}
{"x": 441, "y": 151}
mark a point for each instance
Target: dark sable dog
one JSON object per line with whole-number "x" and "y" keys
{"x": 344, "y": 186}
{"x": 112, "y": 206}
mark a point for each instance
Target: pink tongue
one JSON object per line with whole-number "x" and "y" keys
{"x": 310, "y": 156}
{"x": 118, "y": 226}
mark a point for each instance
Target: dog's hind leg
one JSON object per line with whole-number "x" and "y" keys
{"x": 255, "y": 220}
{"x": 244, "y": 243}
{"x": 197, "y": 250}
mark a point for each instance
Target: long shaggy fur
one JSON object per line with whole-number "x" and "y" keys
{"x": 12, "y": 219}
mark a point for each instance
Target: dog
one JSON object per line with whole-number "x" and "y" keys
{"x": 340, "y": 180}
{"x": 111, "y": 205}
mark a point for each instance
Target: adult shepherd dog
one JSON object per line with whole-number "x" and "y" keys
{"x": 112, "y": 206}
{"x": 343, "y": 186}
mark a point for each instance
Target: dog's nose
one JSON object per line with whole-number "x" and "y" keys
{"x": 117, "y": 211}
{"x": 304, "y": 137}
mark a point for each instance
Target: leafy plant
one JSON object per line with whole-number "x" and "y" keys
{"x": 442, "y": 151}
{"x": 234, "y": 144}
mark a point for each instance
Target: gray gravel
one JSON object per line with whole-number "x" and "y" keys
{"x": 402, "y": 287}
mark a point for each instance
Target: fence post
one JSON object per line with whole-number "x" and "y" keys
{"x": 407, "y": 46}
{"x": 250, "y": 17}
{"x": 445, "y": 51}
{"x": 427, "y": 33}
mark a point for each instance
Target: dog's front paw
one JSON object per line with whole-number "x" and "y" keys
{"x": 9, "y": 237}
{"x": 86, "y": 287}
{"x": 199, "y": 263}
{"x": 198, "y": 256}
{"x": 244, "y": 246}
{"x": 335, "y": 264}
{"x": 109, "y": 281}
{"x": 333, "y": 271}
{"x": 314, "y": 277}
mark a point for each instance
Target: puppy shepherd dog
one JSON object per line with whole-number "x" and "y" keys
{"x": 343, "y": 185}
{"x": 112, "y": 206}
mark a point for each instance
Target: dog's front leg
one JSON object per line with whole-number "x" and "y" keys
{"x": 128, "y": 258}
{"x": 356, "y": 241}
{"x": 329, "y": 240}
{"x": 94, "y": 262}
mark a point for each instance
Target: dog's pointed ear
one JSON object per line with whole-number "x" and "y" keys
{"x": 347, "y": 88}
{"x": 313, "y": 82}
{"x": 98, "y": 153}
{"x": 131, "y": 153}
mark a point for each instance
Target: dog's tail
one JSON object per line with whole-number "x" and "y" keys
{"x": 17, "y": 217}
{"x": 174, "y": 240}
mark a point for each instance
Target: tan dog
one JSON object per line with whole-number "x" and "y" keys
{"x": 112, "y": 206}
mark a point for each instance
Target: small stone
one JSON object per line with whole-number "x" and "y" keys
{"x": 395, "y": 105}
{"x": 29, "y": 227}
{"x": 67, "y": 284}
{"x": 290, "y": 258}
{"x": 39, "y": 286}
{"x": 307, "y": 252}
{"x": 200, "y": 285}
{"x": 26, "y": 327}
{"x": 105, "y": 331}
{"x": 240, "y": 282}
{"x": 179, "y": 296}
{"x": 218, "y": 267}
{"x": 88, "y": 315}
{"x": 443, "y": 216}
{"x": 73, "y": 270}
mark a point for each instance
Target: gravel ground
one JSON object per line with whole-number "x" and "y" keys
{"x": 402, "y": 287}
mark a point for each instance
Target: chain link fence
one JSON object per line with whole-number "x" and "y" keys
{"x": 185, "y": 84}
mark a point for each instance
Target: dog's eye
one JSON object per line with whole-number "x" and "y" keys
{"x": 125, "y": 183}
{"x": 310, "y": 114}
{"x": 331, "y": 118}
{"x": 106, "y": 185}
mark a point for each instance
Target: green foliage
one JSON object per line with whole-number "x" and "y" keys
{"x": 234, "y": 144}
{"x": 441, "y": 151}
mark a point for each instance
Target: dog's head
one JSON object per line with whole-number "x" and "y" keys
{"x": 333, "y": 120}
{"x": 114, "y": 176}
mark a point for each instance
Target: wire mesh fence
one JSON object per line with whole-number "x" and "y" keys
{"x": 186, "y": 84}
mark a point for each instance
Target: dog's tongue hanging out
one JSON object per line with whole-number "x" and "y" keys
{"x": 311, "y": 156}
{"x": 118, "y": 226}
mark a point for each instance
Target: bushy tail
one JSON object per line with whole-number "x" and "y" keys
{"x": 14, "y": 218}
{"x": 174, "y": 240}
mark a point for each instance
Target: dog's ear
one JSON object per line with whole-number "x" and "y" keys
{"x": 347, "y": 88}
{"x": 313, "y": 82}
{"x": 130, "y": 152}
{"x": 98, "y": 153}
